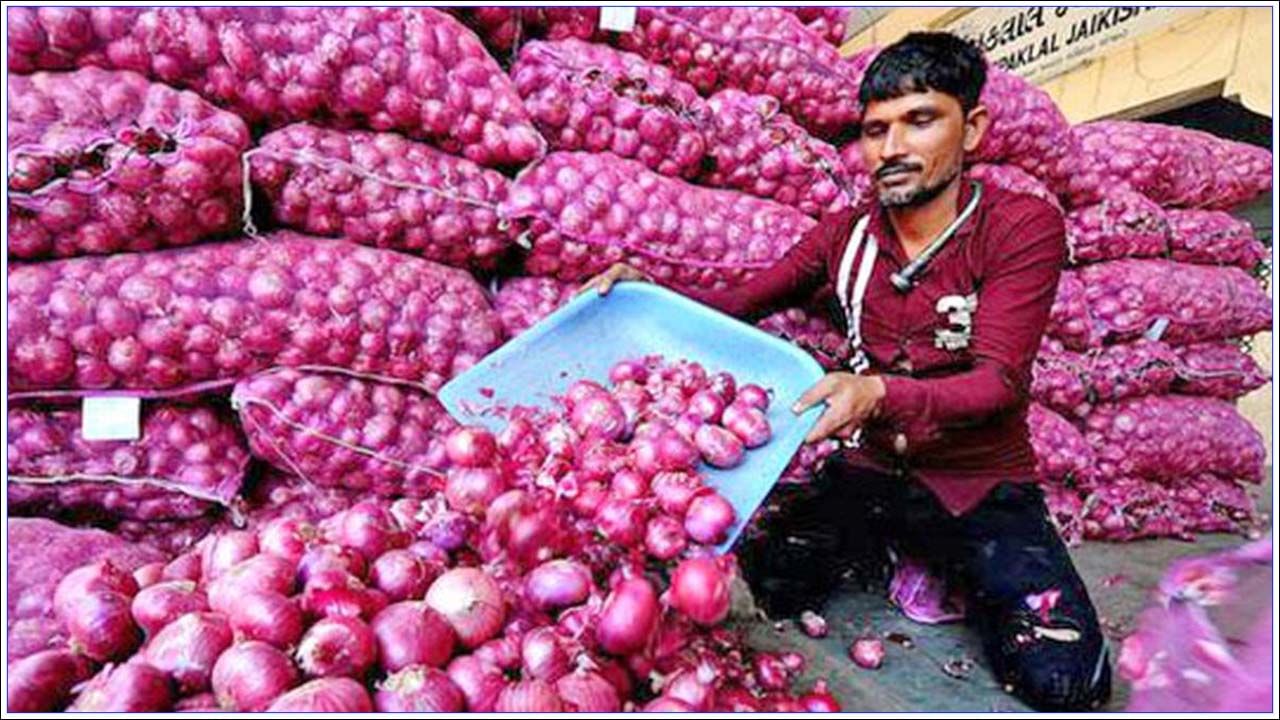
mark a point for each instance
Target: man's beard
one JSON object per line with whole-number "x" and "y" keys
{"x": 918, "y": 195}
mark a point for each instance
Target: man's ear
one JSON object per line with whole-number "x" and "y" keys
{"x": 976, "y": 123}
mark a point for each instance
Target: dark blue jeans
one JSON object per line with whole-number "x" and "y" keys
{"x": 1023, "y": 595}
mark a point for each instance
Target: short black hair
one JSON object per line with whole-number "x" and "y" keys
{"x": 924, "y": 61}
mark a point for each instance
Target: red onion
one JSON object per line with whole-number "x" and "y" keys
{"x": 188, "y": 647}
{"x": 501, "y": 652}
{"x": 700, "y": 590}
{"x": 664, "y": 537}
{"x": 590, "y": 497}
{"x": 227, "y": 550}
{"x": 734, "y": 698}
{"x": 337, "y": 647}
{"x": 479, "y": 681}
{"x": 286, "y": 537}
{"x": 419, "y": 689}
{"x": 201, "y": 702}
{"x": 42, "y": 682}
{"x": 325, "y": 695}
{"x": 448, "y": 530}
{"x": 693, "y": 687}
{"x": 628, "y": 485}
{"x": 345, "y": 597}
{"x": 370, "y": 529}
{"x": 748, "y": 424}
{"x": 402, "y": 575}
{"x": 598, "y": 416}
{"x": 709, "y": 518}
{"x": 622, "y": 521}
{"x": 528, "y": 696}
{"x": 136, "y": 687}
{"x": 160, "y": 604}
{"x": 411, "y": 633}
{"x": 629, "y": 617}
{"x": 471, "y": 490}
{"x": 675, "y": 490}
{"x": 472, "y": 603}
{"x": 101, "y": 626}
{"x": 665, "y": 452}
{"x": 586, "y": 691}
{"x": 535, "y": 533}
{"x": 149, "y": 574}
{"x": 323, "y": 557}
{"x": 719, "y": 447}
{"x": 688, "y": 424}
{"x": 867, "y": 652}
{"x": 813, "y": 624}
{"x": 558, "y": 584}
{"x": 707, "y": 405}
{"x": 98, "y": 576}
{"x": 249, "y": 676}
{"x": 753, "y": 396}
{"x": 184, "y": 567}
{"x": 542, "y": 656}
{"x": 471, "y": 446}
{"x": 820, "y": 700}
{"x": 267, "y": 616}
{"x": 260, "y": 573}
{"x": 770, "y": 672}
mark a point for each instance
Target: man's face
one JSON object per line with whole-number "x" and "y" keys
{"x": 914, "y": 145}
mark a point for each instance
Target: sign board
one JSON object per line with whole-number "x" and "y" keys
{"x": 1040, "y": 43}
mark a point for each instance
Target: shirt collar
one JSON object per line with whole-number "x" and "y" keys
{"x": 882, "y": 229}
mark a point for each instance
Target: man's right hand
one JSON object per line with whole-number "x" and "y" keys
{"x": 618, "y": 273}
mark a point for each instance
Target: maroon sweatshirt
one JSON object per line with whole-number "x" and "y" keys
{"x": 954, "y": 414}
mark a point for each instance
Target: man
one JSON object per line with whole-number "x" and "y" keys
{"x": 946, "y": 286}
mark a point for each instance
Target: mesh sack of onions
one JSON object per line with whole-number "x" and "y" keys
{"x": 1176, "y": 167}
{"x": 1171, "y": 436}
{"x": 828, "y": 22}
{"x": 102, "y": 162}
{"x": 1124, "y": 509}
{"x": 1221, "y": 370}
{"x": 754, "y": 147}
{"x": 500, "y": 28}
{"x": 586, "y": 212}
{"x": 522, "y": 301}
{"x": 1119, "y": 372}
{"x": 1062, "y": 455}
{"x": 1013, "y": 179}
{"x": 1125, "y": 224}
{"x": 1070, "y": 319}
{"x": 171, "y": 537}
{"x": 1057, "y": 381}
{"x": 418, "y": 71}
{"x": 763, "y": 51}
{"x": 273, "y": 494}
{"x": 174, "y": 321}
{"x": 188, "y": 460}
{"x": 39, "y": 553}
{"x": 337, "y": 430}
{"x": 1065, "y": 508}
{"x": 383, "y": 190}
{"x": 1214, "y": 237}
{"x": 584, "y": 96}
{"x": 1204, "y": 641}
{"x": 811, "y": 328}
{"x": 1130, "y": 298}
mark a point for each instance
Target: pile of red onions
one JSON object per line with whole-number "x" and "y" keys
{"x": 565, "y": 564}
{"x": 384, "y": 190}
{"x": 134, "y": 166}
{"x": 1213, "y": 237}
{"x": 1062, "y": 455}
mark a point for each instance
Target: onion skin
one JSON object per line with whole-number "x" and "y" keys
{"x": 542, "y": 656}
{"x": 188, "y": 647}
{"x": 867, "y": 653}
{"x": 709, "y": 519}
{"x": 558, "y": 584}
{"x": 249, "y": 676}
{"x": 419, "y": 689}
{"x": 471, "y": 446}
{"x": 587, "y": 691}
{"x": 325, "y": 695}
{"x": 411, "y": 633}
{"x": 666, "y": 704}
{"x": 629, "y": 617}
{"x": 136, "y": 687}
{"x": 100, "y": 625}
{"x": 479, "y": 681}
{"x": 101, "y": 575}
{"x": 42, "y": 682}
{"x": 159, "y": 604}
{"x": 401, "y": 575}
{"x": 260, "y": 573}
{"x": 337, "y": 647}
{"x": 269, "y": 617}
{"x": 471, "y": 602}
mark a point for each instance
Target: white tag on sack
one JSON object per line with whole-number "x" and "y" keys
{"x": 111, "y": 418}
{"x": 618, "y": 19}
{"x": 1156, "y": 331}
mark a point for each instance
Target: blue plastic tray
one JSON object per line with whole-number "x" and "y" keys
{"x": 586, "y": 337}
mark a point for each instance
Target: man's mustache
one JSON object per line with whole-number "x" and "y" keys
{"x": 896, "y": 168}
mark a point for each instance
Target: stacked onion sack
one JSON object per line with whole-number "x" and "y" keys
{"x": 566, "y": 564}
{"x": 1146, "y": 354}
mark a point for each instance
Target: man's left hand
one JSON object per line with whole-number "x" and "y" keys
{"x": 851, "y": 401}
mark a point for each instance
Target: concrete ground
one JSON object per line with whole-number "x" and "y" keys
{"x": 1120, "y": 577}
